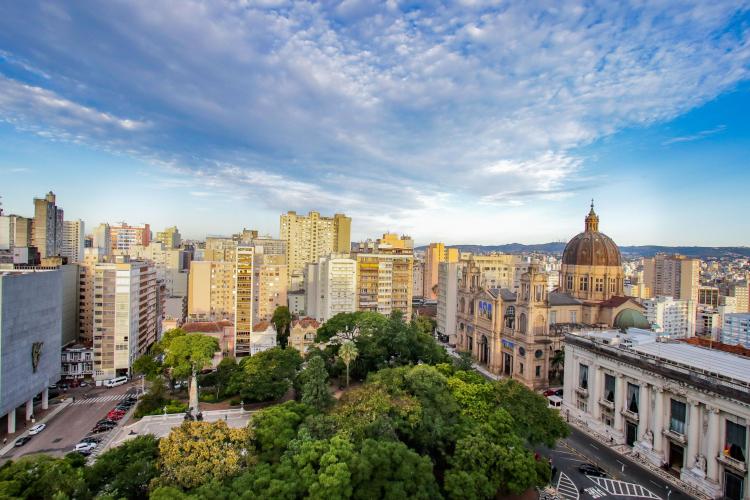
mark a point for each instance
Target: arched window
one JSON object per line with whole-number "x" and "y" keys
{"x": 510, "y": 316}
{"x": 522, "y": 323}
{"x": 539, "y": 325}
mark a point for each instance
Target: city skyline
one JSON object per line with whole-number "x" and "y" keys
{"x": 471, "y": 125}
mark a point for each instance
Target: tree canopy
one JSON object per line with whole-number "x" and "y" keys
{"x": 186, "y": 353}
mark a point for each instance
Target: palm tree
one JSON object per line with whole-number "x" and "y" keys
{"x": 348, "y": 353}
{"x": 557, "y": 363}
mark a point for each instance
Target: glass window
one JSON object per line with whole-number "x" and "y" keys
{"x": 599, "y": 284}
{"x": 538, "y": 371}
{"x": 634, "y": 392}
{"x": 677, "y": 416}
{"x": 583, "y": 376}
{"x": 520, "y": 368}
{"x": 569, "y": 282}
{"x": 583, "y": 283}
{"x": 609, "y": 387}
{"x": 736, "y": 441}
{"x": 573, "y": 318}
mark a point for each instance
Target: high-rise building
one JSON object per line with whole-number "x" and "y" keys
{"x": 220, "y": 249}
{"x": 708, "y": 296}
{"x": 740, "y": 293}
{"x": 736, "y": 329}
{"x": 384, "y": 282}
{"x": 15, "y": 232}
{"x": 102, "y": 239}
{"x": 243, "y": 300}
{"x": 48, "y": 226}
{"x": 331, "y": 286}
{"x": 269, "y": 284}
{"x": 211, "y": 290}
{"x": 170, "y": 237}
{"x": 124, "y": 236}
{"x": 126, "y": 315}
{"x": 270, "y": 246}
{"x": 310, "y": 237}
{"x": 171, "y": 265}
{"x": 72, "y": 242}
{"x": 447, "y": 300}
{"x": 87, "y": 271}
{"x": 673, "y": 276}
{"x": 418, "y": 277}
{"x": 674, "y": 318}
{"x": 434, "y": 254}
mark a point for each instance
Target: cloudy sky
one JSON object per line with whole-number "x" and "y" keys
{"x": 474, "y": 122}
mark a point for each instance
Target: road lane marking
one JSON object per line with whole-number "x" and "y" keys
{"x": 623, "y": 488}
{"x": 594, "y": 447}
{"x": 566, "y": 488}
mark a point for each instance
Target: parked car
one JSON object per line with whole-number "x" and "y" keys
{"x": 103, "y": 428}
{"x": 22, "y": 440}
{"x": 559, "y": 393}
{"x": 37, "y": 429}
{"x": 83, "y": 384}
{"x": 91, "y": 439}
{"x": 592, "y": 470}
{"x": 85, "y": 446}
{"x": 549, "y": 392}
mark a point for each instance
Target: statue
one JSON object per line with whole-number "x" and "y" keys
{"x": 701, "y": 460}
{"x": 649, "y": 437}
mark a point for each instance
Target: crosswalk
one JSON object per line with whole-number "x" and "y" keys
{"x": 595, "y": 492}
{"x": 566, "y": 488}
{"x": 100, "y": 399}
{"x": 623, "y": 489}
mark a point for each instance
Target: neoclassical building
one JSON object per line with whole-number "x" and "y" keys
{"x": 517, "y": 334}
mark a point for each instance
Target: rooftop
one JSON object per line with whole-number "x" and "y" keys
{"x": 709, "y": 361}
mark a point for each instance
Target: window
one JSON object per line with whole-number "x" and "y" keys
{"x": 573, "y": 318}
{"x": 538, "y": 371}
{"x": 569, "y": 282}
{"x": 633, "y": 398}
{"x": 520, "y": 368}
{"x": 599, "y": 284}
{"x": 510, "y": 316}
{"x": 677, "y": 416}
{"x": 609, "y": 388}
{"x": 583, "y": 376}
{"x": 583, "y": 283}
{"x": 552, "y": 317}
{"x": 736, "y": 441}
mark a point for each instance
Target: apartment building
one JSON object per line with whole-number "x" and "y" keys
{"x": 211, "y": 290}
{"x": 72, "y": 241}
{"x": 101, "y": 239}
{"x": 736, "y": 329}
{"x": 331, "y": 286}
{"x": 447, "y": 302}
{"x": 434, "y": 254}
{"x": 15, "y": 231}
{"x": 269, "y": 284}
{"x": 47, "y": 233}
{"x": 127, "y": 309}
{"x": 170, "y": 237}
{"x": 123, "y": 237}
{"x": 220, "y": 249}
{"x": 310, "y": 237}
{"x": 671, "y": 317}
{"x": 674, "y": 276}
{"x": 418, "y": 277}
{"x": 171, "y": 265}
{"x": 244, "y": 276}
{"x": 384, "y": 282}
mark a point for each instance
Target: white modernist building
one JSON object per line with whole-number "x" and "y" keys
{"x": 331, "y": 287}
{"x": 72, "y": 241}
{"x": 676, "y": 405}
{"x": 671, "y": 317}
{"x": 447, "y": 300}
{"x": 736, "y": 329}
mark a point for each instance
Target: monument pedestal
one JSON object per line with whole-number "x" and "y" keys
{"x": 646, "y": 451}
{"x": 697, "y": 479}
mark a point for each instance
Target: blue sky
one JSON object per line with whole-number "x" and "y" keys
{"x": 464, "y": 122}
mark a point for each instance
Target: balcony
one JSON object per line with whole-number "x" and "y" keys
{"x": 733, "y": 463}
{"x": 607, "y": 403}
{"x": 583, "y": 392}
{"x": 675, "y": 436}
{"x": 629, "y": 415}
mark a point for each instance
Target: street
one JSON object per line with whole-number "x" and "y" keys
{"x": 626, "y": 479}
{"x": 69, "y": 426}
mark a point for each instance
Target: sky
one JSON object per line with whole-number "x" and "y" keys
{"x": 464, "y": 122}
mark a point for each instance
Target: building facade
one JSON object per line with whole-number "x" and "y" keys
{"x": 673, "y": 276}
{"x": 270, "y": 285}
{"x": 736, "y": 329}
{"x": 670, "y": 317}
{"x": 682, "y": 407}
{"x": 302, "y": 334}
{"x": 211, "y": 290}
{"x": 331, "y": 287}
{"x": 243, "y": 299}
{"x": 447, "y": 301}
{"x": 170, "y": 237}
{"x": 15, "y": 231}
{"x": 123, "y": 236}
{"x": 77, "y": 362}
{"x": 434, "y": 254}
{"x": 384, "y": 282}
{"x": 72, "y": 242}
{"x": 47, "y": 231}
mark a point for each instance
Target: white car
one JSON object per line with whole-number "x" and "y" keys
{"x": 37, "y": 429}
{"x": 85, "y": 447}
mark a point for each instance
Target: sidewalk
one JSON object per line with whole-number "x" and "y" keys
{"x": 481, "y": 369}
{"x": 627, "y": 453}
{"x": 54, "y": 411}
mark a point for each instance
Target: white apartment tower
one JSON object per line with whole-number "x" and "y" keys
{"x": 72, "y": 242}
{"x": 331, "y": 286}
{"x": 448, "y": 273}
{"x": 671, "y": 317}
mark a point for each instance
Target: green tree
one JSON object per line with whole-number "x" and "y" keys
{"x": 188, "y": 353}
{"x": 125, "y": 471}
{"x": 227, "y": 369}
{"x": 198, "y": 452}
{"x": 315, "y": 391}
{"x": 266, "y": 376}
{"x": 274, "y": 427}
{"x": 281, "y": 320}
{"x": 41, "y": 476}
{"x": 464, "y": 361}
{"x": 534, "y": 421}
{"x": 348, "y": 353}
{"x": 425, "y": 324}
{"x": 166, "y": 339}
{"x": 367, "y": 322}
{"x": 148, "y": 366}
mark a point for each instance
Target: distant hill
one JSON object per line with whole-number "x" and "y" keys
{"x": 641, "y": 251}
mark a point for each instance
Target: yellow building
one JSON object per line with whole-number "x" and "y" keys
{"x": 302, "y": 334}
{"x": 519, "y": 334}
{"x": 434, "y": 254}
{"x": 674, "y": 276}
{"x": 270, "y": 285}
{"x": 312, "y": 236}
{"x": 243, "y": 299}
{"x": 220, "y": 249}
{"x": 384, "y": 282}
{"x": 170, "y": 237}
{"x": 211, "y": 290}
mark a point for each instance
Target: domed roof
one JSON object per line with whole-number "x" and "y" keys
{"x": 591, "y": 248}
{"x": 628, "y": 318}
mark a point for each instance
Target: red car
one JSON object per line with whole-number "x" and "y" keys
{"x": 549, "y": 392}
{"x": 115, "y": 415}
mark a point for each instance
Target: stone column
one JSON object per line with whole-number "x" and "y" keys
{"x": 29, "y": 409}
{"x": 713, "y": 443}
{"x": 658, "y": 421}
{"x": 594, "y": 390}
{"x": 45, "y": 399}
{"x": 644, "y": 411}
{"x": 695, "y": 424}
{"x": 12, "y": 421}
{"x": 619, "y": 399}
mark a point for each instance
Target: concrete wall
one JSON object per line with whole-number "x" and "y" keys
{"x": 30, "y": 311}
{"x": 70, "y": 303}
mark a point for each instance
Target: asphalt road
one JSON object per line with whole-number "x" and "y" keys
{"x": 69, "y": 426}
{"x": 579, "y": 448}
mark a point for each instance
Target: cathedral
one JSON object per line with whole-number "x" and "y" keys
{"x": 520, "y": 334}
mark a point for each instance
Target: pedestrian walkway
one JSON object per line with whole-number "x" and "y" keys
{"x": 566, "y": 488}
{"x": 101, "y": 399}
{"x": 595, "y": 492}
{"x": 623, "y": 489}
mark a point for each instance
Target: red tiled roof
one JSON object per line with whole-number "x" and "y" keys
{"x": 618, "y": 301}
{"x": 261, "y": 327}
{"x": 206, "y": 326}
{"x": 712, "y": 344}
{"x": 306, "y": 322}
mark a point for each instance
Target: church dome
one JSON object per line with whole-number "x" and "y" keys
{"x": 628, "y": 318}
{"x": 591, "y": 248}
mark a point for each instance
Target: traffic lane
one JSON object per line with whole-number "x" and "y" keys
{"x": 613, "y": 462}
{"x": 567, "y": 462}
{"x": 71, "y": 425}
